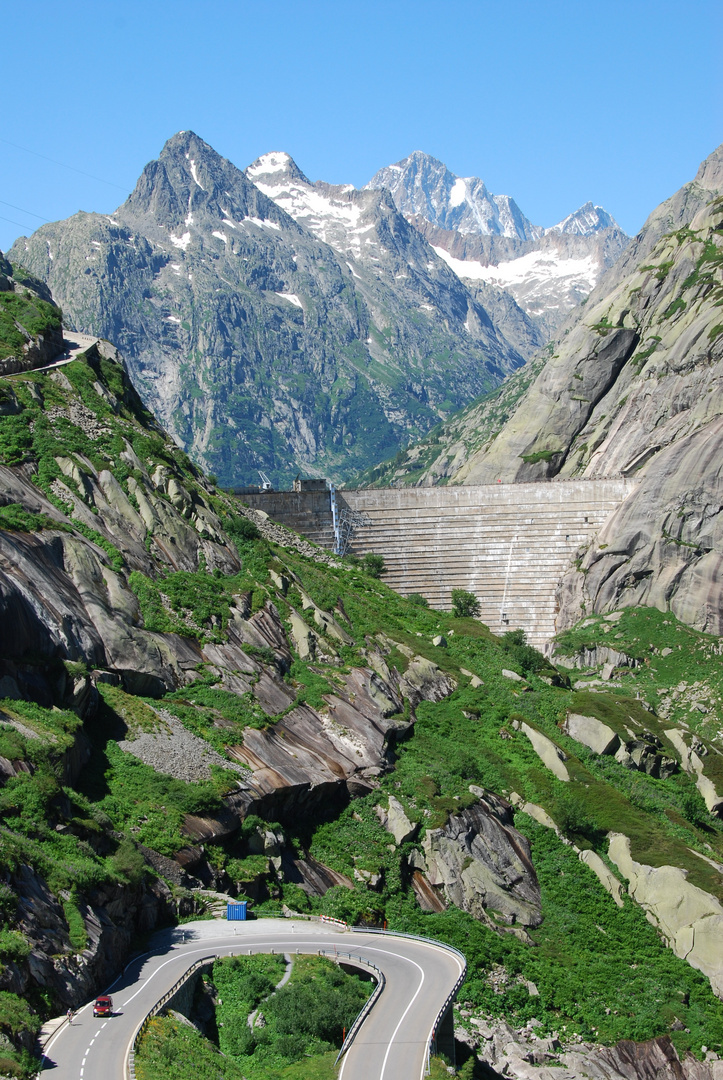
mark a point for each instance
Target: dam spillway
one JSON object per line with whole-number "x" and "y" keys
{"x": 509, "y": 544}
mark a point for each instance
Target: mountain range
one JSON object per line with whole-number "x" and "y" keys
{"x": 632, "y": 387}
{"x": 281, "y": 325}
{"x": 486, "y": 238}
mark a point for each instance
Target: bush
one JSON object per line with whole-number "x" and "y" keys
{"x": 465, "y": 604}
{"x": 241, "y": 529}
{"x": 418, "y": 600}
{"x": 529, "y": 659}
{"x": 374, "y": 565}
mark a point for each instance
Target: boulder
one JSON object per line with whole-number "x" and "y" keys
{"x": 424, "y": 681}
{"x": 693, "y": 764}
{"x": 551, "y": 756}
{"x": 512, "y": 675}
{"x": 592, "y": 733}
{"x": 395, "y": 820}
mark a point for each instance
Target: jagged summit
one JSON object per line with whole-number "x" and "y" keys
{"x": 277, "y": 164}
{"x": 587, "y": 220}
{"x": 421, "y": 184}
{"x": 190, "y": 183}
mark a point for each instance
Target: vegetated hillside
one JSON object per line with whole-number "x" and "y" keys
{"x": 487, "y": 240}
{"x": 248, "y": 1025}
{"x": 196, "y": 701}
{"x": 31, "y": 331}
{"x": 256, "y": 343}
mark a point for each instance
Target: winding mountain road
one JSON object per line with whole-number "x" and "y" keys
{"x": 391, "y": 1044}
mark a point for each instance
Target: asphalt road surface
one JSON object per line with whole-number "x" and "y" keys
{"x": 391, "y": 1044}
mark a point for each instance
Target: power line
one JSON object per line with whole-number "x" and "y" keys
{"x": 22, "y": 211}
{"x": 15, "y": 222}
{"x": 63, "y": 166}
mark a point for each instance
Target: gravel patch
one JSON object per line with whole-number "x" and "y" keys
{"x": 177, "y": 752}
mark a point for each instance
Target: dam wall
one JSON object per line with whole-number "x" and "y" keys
{"x": 509, "y": 544}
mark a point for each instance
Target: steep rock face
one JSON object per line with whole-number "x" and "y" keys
{"x": 420, "y": 184}
{"x": 253, "y": 341}
{"x": 112, "y": 917}
{"x": 641, "y": 359}
{"x": 482, "y": 864}
{"x": 664, "y": 547}
{"x": 485, "y": 238}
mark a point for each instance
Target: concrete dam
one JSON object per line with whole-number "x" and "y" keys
{"x": 509, "y": 544}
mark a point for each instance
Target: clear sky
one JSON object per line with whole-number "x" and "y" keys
{"x": 552, "y": 103}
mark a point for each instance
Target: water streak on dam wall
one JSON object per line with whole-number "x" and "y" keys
{"x": 510, "y": 544}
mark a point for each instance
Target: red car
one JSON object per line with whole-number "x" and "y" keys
{"x": 103, "y": 1006}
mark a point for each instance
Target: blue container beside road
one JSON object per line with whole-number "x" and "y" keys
{"x": 236, "y": 911}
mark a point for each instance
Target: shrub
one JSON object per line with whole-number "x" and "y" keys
{"x": 465, "y": 604}
{"x": 418, "y": 600}
{"x": 374, "y": 565}
{"x": 240, "y": 529}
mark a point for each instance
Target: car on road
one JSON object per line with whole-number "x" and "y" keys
{"x": 103, "y": 1006}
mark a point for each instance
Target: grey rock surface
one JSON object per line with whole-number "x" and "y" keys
{"x": 690, "y": 919}
{"x": 482, "y": 864}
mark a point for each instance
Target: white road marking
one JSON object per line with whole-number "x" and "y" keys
{"x": 402, "y": 1018}
{"x": 102, "y": 1026}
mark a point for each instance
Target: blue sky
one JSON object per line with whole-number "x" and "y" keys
{"x": 552, "y": 103}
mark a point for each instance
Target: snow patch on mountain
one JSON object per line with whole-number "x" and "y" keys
{"x": 538, "y": 280}
{"x": 276, "y": 161}
{"x": 458, "y": 193}
{"x": 292, "y": 298}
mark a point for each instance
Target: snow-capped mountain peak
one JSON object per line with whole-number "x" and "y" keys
{"x": 587, "y": 220}
{"x": 421, "y": 184}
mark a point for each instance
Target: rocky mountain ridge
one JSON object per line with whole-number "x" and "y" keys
{"x": 258, "y": 344}
{"x": 486, "y": 238}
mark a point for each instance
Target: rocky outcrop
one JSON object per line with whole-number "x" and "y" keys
{"x": 395, "y": 820}
{"x": 664, "y": 547}
{"x": 592, "y": 733}
{"x": 32, "y": 331}
{"x": 551, "y": 756}
{"x": 481, "y": 863}
{"x": 424, "y": 681}
{"x": 525, "y": 1054}
{"x": 691, "y": 758}
{"x": 690, "y": 919}
{"x": 111, "y": 916}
